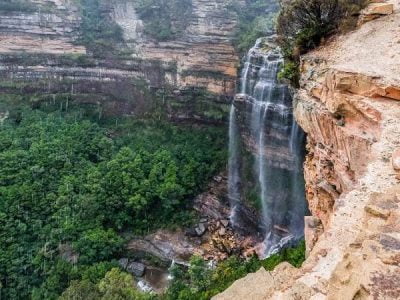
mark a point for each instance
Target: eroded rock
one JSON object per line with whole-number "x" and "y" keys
{"x": 375, "y": 10}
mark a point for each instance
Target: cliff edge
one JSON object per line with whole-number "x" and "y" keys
{"x": 349, "y": 105}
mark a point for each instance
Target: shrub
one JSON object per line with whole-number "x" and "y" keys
{"x": 304, "y": 23}
{"x": 290, "y": 71}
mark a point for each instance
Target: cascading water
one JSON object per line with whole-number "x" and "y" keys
{"x": 234, "y": 173}
{"x": 276, "y": 142}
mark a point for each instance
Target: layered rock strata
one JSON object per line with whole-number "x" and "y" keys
{"x": 193, "y": 74}
{"x": 203, "y": 53}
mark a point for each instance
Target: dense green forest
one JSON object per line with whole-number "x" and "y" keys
{"x": 68, "y": 182}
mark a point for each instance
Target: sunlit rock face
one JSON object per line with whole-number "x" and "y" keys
{"x": 272, "y": 168}
{"x": 192, "y": 73}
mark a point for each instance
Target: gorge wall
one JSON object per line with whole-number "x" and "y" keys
{"x": 348, "y": 104}
{"x": 43, "y": 52}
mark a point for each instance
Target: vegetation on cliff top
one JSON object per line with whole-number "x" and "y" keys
{"x": 303, "y": 24}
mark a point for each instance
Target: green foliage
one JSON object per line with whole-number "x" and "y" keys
{"x": 303, "y": 24}
{"x": 164, "y": 19}
{"x": 202, "y": 283}
{"x": 97, "y": 245}
{"x": 65, "y": 180}
{"x": 115, "y": 285}
{"x": 118, "y": 285}
{"x": 199, "y": 274}
{"x": 81, "y": 290}
{"x": 290, "y": 71}
{"x": 256, "y": 19}
{"x": 94, "y": 273}
{"x": 99, "y": 33}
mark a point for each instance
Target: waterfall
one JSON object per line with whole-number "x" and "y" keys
{"x": 276, "y": 142}
{"x": 233, "y": 172}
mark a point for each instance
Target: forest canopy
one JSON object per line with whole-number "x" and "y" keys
{"x": 69, "y": 187}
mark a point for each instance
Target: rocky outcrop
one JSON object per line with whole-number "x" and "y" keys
{"x": 375, "y": 10}
{"x": 349, "y": 106}
{"x": 267, "y": 282}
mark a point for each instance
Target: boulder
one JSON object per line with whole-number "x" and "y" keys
{"x": 166, "y": 245}
{"x": 191, "y": 232}
{"x": 218, "y": 179}
{"x": 200, "y": 229}
{"x": 379, "y": 9}
{"x": 136, "y": 268}
{"x": 375, "y": 10}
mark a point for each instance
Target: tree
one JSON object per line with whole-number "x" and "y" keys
{"x": 200, "y": 273}
{"x": 97, "y": 245}
{"x": 81, "y": 290}
{"x": 118, "y": 285}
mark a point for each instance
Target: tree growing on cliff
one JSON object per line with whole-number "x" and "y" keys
{"x": 303, "y": 24}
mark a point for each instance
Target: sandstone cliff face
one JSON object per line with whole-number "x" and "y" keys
{"x": 203, "y": 53}
{"x": 349, "y": 106}
{"x": 41, "y": 53}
